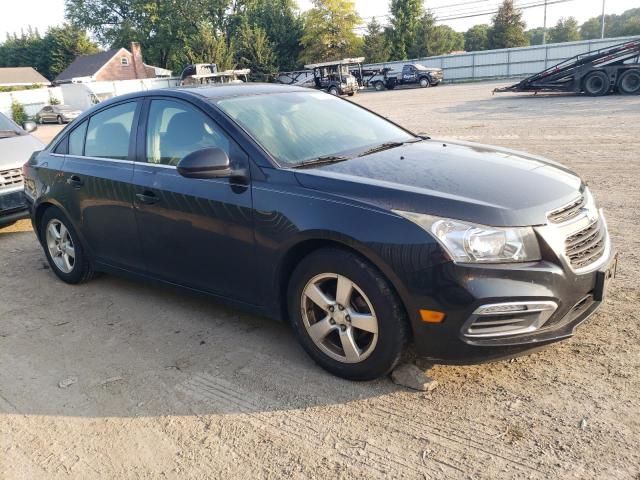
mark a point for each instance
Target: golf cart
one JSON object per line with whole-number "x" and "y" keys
{"x": 335, "y": 77}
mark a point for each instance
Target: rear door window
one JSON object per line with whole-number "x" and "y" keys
{"x": 76, "y": 139}
{"x": 109, "y": 132}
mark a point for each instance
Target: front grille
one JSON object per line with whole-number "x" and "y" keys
{"x": 10, "y": 178}
{"x": 568, "y": 212}
{"x": 586, "y": 246}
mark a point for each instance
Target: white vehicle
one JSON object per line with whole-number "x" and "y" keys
{"x": 16, "y": 147}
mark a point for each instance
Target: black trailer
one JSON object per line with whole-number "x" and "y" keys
{"x": 611, "y": 69}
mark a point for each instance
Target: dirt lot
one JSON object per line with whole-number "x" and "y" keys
{"x": 166, "y": 385}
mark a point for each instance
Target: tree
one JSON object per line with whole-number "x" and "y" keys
{"x": 63, "y": 44}
{"x": 507, "y": 28}
{"x": 406, "y": 15}
{"x": 282, "y": 22}
{"x": 476, "y": 38}
{"x": 628, "y": 23}
{"x": 432, "y": 39}
{"x": 535, "y": 35}
{"x": 255, "y": 51}
{"x": 329, "y": 31}
{"x": 375, "y": 49}
{"x": 206, "y": 46}
{"x": 566, "y": 30}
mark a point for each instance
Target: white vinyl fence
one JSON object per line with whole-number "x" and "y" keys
{"x": 32, "y": 100}
{"x": 79, "y": 95}
{"x": 505, "y": 63}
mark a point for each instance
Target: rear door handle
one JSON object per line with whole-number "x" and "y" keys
{"x": 75, "y": 181}
{"x": 147, "y": 197}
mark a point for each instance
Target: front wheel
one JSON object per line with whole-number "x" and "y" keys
{"x": 346, "y": 315}
{"x": 379, "y": 86}
{"x": 334, "y": 91}
{"x": 596, "y": 84}
{"x": 63, "y": 248}
{"x": 424, "y": 82}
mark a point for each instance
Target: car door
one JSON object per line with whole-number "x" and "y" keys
{"x": 98, "y": 173}
{"x": 194, "y": 232}
{"x": 45, "y": 114}
{"x": 408, "y": 73}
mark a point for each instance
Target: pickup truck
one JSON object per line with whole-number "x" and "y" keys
{"x": 411, "y": 74}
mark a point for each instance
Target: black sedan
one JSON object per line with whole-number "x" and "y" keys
{"x": 304, "y": 207}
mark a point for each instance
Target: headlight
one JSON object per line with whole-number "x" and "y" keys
{"x": 470, "y": 243}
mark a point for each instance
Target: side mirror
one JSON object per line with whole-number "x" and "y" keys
{"x": 205, "y": 163}
{"x": 29, "y": 126}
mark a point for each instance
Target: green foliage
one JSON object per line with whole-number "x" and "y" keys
{"x": 328, "y": 31}
{"x": 566, "y": 30}
{"x": 626, "y": 24}
{"x": 476, "y": 38}
{"x": 18, "y": 113}
{"x": 406, "y": 17}
{"x": 49, "y": 54}
{"x": 507, "y": 29}
{"x": 53, "y": 100}
{"x": 18, "y": 88}
{"x": 206, "y": 46}
{"x": 255, "y": 51}
{"x": 535, "y": 35}
{"x": 375, "y": 48}
{"x": 432, "y": 39}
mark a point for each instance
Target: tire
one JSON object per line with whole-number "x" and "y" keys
{"x": 629, "y": 82}
{"x": 60, "y": 121}
{"x": 424, "y": 82}
{"x": 596, "y": 84}
{"x": 383, "y": 329}
{"x": 40, "y": 120}
{"x": 334, "y": 91}
{"x": 80, "y": 269}
{"x": 379, "y": 86}
{"x": 351, "y": 94}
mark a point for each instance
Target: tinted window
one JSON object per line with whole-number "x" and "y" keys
{"x": 176, "y": 129}
{"x": 76, "y": 139}
{"x": 109, "y": 132}
{"x": 299, "y": 126}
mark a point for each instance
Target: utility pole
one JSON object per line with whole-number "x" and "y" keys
{"x": 602, "y": 32}
{"x": 544, "y": 28}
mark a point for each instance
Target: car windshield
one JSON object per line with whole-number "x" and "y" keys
{"x": 8, "y": 128}
{"x": 297, "y": 127}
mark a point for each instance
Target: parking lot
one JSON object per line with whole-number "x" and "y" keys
{"x": 117, "y": 379}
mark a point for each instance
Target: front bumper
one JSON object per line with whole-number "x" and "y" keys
{"x": 13, "y": 206}
{"x": 465, "y": 289}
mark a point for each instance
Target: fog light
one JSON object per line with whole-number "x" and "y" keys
{"x": 432, "y": 316}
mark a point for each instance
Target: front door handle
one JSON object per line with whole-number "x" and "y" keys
{"x": 75, "y": 181}
{"x": 147, "y": 197}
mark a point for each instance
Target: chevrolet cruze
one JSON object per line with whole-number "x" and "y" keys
{"x": 304, "y": 207}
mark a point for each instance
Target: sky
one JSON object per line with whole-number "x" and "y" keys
{"x": 44, "y": 13}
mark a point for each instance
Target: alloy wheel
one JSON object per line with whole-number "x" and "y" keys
{"x": 60, "y": 246}
{"x": 339, "y": 318}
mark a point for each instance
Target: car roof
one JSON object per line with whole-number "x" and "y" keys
{"x": 212, "y": 92}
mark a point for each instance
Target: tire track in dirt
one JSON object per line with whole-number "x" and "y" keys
{"x": 316, "y": 435}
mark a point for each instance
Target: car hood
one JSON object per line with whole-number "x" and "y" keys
{"x": 15, "y": 151}
{"x": 461, "y": 180}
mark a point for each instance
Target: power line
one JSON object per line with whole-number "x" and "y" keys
{"x": 492, "y": 12}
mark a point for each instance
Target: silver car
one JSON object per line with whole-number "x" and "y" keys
{"x": 16, "y": 147}
{"x": 57, "y": 114}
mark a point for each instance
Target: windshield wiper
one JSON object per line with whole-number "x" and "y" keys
{"x": 387, "y": 146}
{"x": 322, "y": 161}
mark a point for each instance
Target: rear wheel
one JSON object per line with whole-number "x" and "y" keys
{"x": 334, "y": 91}
{"x": 379, "y": 86}
{"x": 346, "y": 315}
{"x": 596, "y": 84}
{"x": 63, "y": 248}
{"x": 629, "y": 83}
{"x": 59, "y": 120}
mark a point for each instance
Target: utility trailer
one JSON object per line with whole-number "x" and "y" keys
{"x": 207, "y": 73}
{"x": 610, "y": 69}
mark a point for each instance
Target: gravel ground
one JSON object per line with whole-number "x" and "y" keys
{"x": 116, "y": 379}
